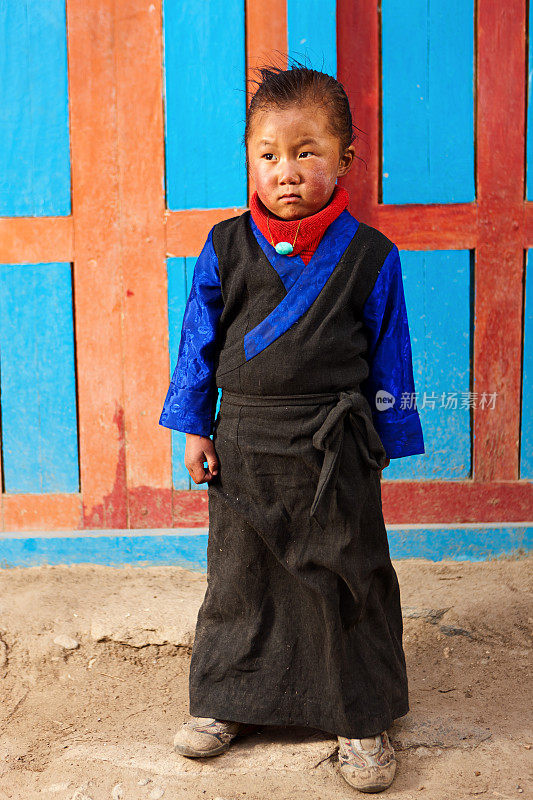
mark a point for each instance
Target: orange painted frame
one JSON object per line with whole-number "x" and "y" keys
{"x": 118, "y": 238}
{"x": 120, "y": 234}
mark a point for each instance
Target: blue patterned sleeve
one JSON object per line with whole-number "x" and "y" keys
{"x": 389, "y": 387}
{"x": 191, "y": 399}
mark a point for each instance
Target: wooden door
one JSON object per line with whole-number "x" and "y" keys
{"x": 122, "y": 146}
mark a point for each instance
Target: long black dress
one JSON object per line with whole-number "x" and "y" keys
{"x": 301, "y": 622}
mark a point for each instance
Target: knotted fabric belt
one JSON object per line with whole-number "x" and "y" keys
{"x": 329, "y": 437}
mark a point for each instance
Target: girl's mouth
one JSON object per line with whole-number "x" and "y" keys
{"x": 289, "y": 198}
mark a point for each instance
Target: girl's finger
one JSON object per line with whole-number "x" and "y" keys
{"x": 212, "y": 463}
{"x": 197, "y": 472}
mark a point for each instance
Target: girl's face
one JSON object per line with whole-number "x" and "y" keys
{"x": 295, "y": 160}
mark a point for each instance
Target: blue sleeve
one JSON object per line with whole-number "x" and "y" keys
{"x": 192, "y": 396}
{"x": 389, "y": 387}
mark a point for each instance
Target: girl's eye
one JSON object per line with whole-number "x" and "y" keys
{"x": 268, "y": 156}
{"x": 305, "y": 153}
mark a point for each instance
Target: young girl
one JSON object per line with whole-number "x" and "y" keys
{"x": 297, "y": 313}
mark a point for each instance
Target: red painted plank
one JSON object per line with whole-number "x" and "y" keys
{"x": 499, "y": 256}
{"x": 359, "y": 69}
{"x": 528, "y": 225}
{"x": 414, "y": 502}
{"x": 460, "y": 502}
{"x": 434, "y": 227}
{"x": 190, "y": 509}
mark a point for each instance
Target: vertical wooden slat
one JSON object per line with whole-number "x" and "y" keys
{"x": 266, "y": 44}
{"x": 499, "y": 255}
{"x": 181, "y": 475}
{"x": 34, "y": 135}
{"x": 266, "y": 35}
{"x": 428, "y": 108}
{"x": 529, "y": 120}
{"x": 190, "y": 264}
{"x": 526, "y": 433}
{"x": 358, "y": 69}
{"x": 140, "y": 138}
{"x": 98, "y": 289}
{"x": 178, "y": 291}
{"x": 205, "y": 103}
{"x": 441, "y": 363}
{"x": 37, "y": 375}
{"x": 312, "y": 33}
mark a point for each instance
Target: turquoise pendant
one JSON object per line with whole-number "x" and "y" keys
{"x": 284, "y": 248}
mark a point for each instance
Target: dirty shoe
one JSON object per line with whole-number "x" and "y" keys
{"x": 367, "y": 764}
{"x": 205, "y": 736}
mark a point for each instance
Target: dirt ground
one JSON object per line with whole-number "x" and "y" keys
{"x": 97, "y": 721}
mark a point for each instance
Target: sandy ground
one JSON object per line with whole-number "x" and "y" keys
{"x": 98, "y": 721}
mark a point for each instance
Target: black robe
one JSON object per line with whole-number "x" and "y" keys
{"x": 301, "y": 623}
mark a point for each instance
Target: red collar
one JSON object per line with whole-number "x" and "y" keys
{"x": 311, "y": 229}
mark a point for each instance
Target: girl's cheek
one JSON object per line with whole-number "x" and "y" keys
{"x": 319, "y": 180}
{"x": 261, "y": 180}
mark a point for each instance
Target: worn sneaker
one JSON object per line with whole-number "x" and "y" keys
{"x": 205, "y": 736}
{"x": 367, "y": 764}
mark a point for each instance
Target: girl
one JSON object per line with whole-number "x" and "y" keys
{"x": 297, "y": 313}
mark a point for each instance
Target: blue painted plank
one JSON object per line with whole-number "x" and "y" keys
{"x": 34, "y": 132}
{"x": 529, "y": 140}
{"x": 188, "y": 551}
{"x": 190, "y": 265}
{"x": 468, "y": 543}
{"x": 312, "y": 33}
{"x": 526, "y": 432}
{"x": 437, "y": 290}
{"x": 205, "y": 103}
{"x": 37, "y": 379}
{"x": 180, "y": 273}
{"x": 177, "y": 298}
{"x": 186, "y": 548}
{"x": 428, "y": 103}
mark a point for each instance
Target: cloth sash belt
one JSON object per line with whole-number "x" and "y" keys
{"x": 329, "y": 437}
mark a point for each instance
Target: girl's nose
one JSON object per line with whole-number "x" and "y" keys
{"x": 288, "y": 173}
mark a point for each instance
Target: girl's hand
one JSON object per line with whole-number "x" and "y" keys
{"x": 197, "y": 450}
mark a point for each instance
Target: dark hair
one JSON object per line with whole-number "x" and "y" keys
{"x": 284, "y": 87}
